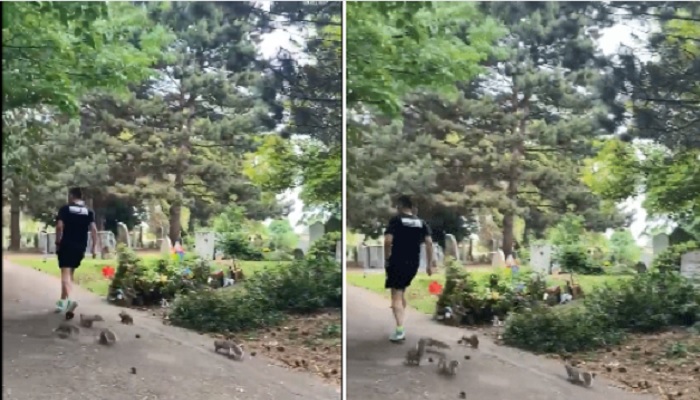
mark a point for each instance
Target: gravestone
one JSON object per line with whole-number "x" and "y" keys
{"x": 376, "y": 256}
{"x": 498, "y": 258}
{"x": 338, "y": 251}
{"x": 123, "y": 234}
{"x": 541, "y": 258}
{"x": 107, "y": 242}
{"x": 451, "y": 249}
{"x": 47, "y": 243}
{"x": 165, "y": 246}
{"x": 690, "y": 266}
{"x": 437, "y": 256}
{"x": 205, "y": 244}
{"x": 316, "y": 231}
{"x": 659, "y": 243}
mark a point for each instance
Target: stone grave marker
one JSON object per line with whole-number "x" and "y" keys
{"x": 541, "y": 258}
{"x": 451, "y": 248}
{"x": 316, "y": 231}
{"x": 165, "y": 246}
{"x": 123, "y": 234}
{"x": 690, "y": 266}
{"x": 338, "y": 251}
{"x": 659, "y": 243}
{"x": 498, "y": 258}
{"x": 205, "y": 244}
{"x": 298, "y": 254}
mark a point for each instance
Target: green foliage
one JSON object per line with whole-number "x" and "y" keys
{"x": 568, "y": 231}
{"x": 325, "y": 246}
{"x": 264, "y": 298}
{"x": 55, "y": 52}
{"x": 624, "y": 249}
{"x": 396, "y": 47}
{"x": 670, "y": 259}
{"x": 548, "y": 330}
{"x": 476, "y": 302}
{"x": 146, "y": 283}
{"x": 575, "y": 258}
{"x": 282, "y": 236}
{"x": 646, "y": 303}
{"x": 237, "y": 244}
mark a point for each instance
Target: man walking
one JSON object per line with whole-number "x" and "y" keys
{"x": 72, "y": 225}
{"x": 402, "y": 240}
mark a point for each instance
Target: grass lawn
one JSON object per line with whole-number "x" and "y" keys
{"x": 420, "y": 298}
{"x": 89, "y": 275}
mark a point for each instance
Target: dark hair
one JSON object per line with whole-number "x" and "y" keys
{"x": 404, "y": 202}
{"x": 76, "y": 193}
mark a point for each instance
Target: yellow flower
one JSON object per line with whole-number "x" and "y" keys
{"x": 163, "y": 278}
{"x": 495, "y": 295}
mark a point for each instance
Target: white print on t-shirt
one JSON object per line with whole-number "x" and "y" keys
{"x": 412, "y": 222}
{"x": 78, "y": 210}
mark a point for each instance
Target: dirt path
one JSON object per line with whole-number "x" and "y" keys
{"x": 171, "y": 363}
{"x": 375, "y": 367}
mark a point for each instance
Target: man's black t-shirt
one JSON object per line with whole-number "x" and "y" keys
{"x": 76, "y": 224}
{"x": 408, "y": 232}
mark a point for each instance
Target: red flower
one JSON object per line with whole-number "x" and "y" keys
{"x": 435, "y": 288}
{"x": 108, "y": 272}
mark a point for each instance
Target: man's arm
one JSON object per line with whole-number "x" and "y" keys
{"x": 389, "y": 237}
{"x": 93, "y": 232}
{"x": 59, "y": 225}
{"x": 430, "y": 261}
{"x": 388, "y": 240}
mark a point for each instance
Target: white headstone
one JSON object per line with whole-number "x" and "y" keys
{"x": 498, "y": 259}
{"x": 376, "y": 256}
{"x": 659, "y": 243}
{"x": 123, "y": 234}
{"x": 437, "y": 256}
{"x": 451, "y": 249}
{"x": 338, "y": 251}
{"x": 690, "y": 266}
{"x": 316, "y": 231}
{"x": 106, "y": 239}
{"x": 205, "y": 245}
{"x": 541, "y": 258}
{"x": 165, "y": 246}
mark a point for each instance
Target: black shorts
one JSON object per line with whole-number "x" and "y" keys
{"x": 400, "y": 274}
{"x": 69, "y": 258}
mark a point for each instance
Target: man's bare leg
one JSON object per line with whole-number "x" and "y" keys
{"x": 398, "y": 302}
{"x": 66, "y": 282}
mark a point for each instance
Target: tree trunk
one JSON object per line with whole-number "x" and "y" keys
{"x": 15, "y": 233}
{"x": 517, "y": 152}
{"x": 176, "y": 210}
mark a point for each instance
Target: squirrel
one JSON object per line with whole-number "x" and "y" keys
{"x": 126, "y": 318}
{"x": 107, "y": 337}
{"x": 472, "y": 340}
{"x": 578, "y": 377}
{"x": 86, "y": 321}
{"x": 229, "y": 345}
{"x": 66, "y": 330}
{"x": 445, "y": 368}
{"x": 415, "y": 355}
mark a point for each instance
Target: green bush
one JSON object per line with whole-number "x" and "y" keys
{"x": 476, "y": 302}
{"x": 575, "y": 258}
{"x": 557, "y": 330}
{"x": 305, "y": 285}
{"x": 141, "y": 283}
{"x": 237, "y": 245}
{"x": 646, "y": 303}
{"x": 325, "y": 245}
{"x": 222, "y": 310}
{"x": 670, "y": 259}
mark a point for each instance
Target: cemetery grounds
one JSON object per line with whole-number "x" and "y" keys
{"x": 667, "y": 363}
{"x": 311, "y": 343}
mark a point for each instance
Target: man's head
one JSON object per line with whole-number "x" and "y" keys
{"x": 75, "y": 194}
{"x": 404, "y": 204}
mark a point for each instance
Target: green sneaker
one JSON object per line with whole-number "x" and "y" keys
{"x": 60, "y": 306}
{"x": 398, "y": 335}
